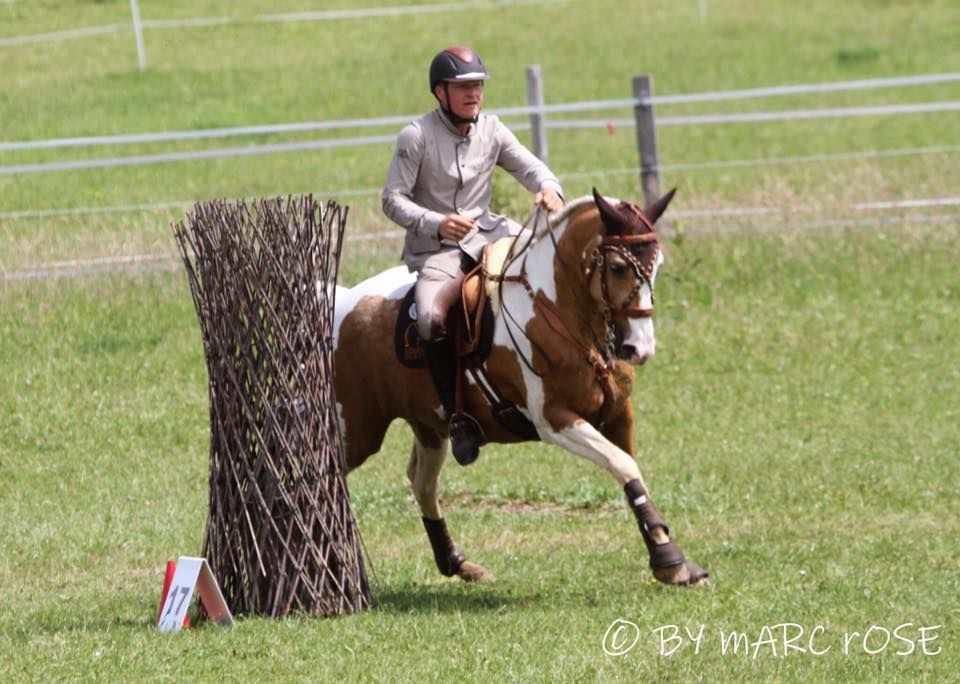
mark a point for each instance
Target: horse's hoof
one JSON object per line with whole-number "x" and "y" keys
{"x": 683, "y": 574}
{"x": 472, "y": 572}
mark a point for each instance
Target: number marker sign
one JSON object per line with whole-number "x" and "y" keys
{"x": 193, "y": 573}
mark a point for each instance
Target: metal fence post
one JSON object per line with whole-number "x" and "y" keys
{"x": 538, "y": 127}
{"x": 646, "y": 138}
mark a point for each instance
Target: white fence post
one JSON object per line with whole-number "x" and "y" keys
{"x": 138, "y": 33}
{"x": 538, "y": 127}
{"x": 646, "y": 138}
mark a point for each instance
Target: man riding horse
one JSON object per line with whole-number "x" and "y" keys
{"x": 439, "y": 188}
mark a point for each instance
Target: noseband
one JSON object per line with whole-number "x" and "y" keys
{"x": 621, "y": 244}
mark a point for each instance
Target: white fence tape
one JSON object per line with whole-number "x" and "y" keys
{"x": 194, "y": 155}
{"x": 326, "y": 15}
{"x": 141, "y": 263}
{"x": 275, "y": 148}
{"x": 562, "y": 108}
{"x": 570, "y": 175}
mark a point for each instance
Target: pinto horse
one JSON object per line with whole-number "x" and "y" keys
{"x": 575, "y": 301}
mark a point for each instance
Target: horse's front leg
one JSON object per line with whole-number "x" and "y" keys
{"x": 580, "y": 437}
{"x": 426, "y": 459}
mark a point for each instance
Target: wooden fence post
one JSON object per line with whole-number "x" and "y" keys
{"x": 538, "y": 127}
{"x": 646, "y": 137}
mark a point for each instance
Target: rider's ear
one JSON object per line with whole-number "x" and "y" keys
{"x": 655, "y": 209}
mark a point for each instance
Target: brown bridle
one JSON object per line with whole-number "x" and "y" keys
{"x": 621, "y": 244}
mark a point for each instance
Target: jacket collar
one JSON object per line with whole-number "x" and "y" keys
{"x": 453, "y": 129}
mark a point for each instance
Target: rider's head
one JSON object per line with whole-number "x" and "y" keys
{"x": 456, "y": 80}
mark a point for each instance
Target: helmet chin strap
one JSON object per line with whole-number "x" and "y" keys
{"x": 454, "y": 118}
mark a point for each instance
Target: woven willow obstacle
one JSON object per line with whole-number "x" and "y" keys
{"x": 280, "y": 534}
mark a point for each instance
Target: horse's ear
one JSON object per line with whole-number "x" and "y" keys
{"x": 655, "y": 209}
{"x": 612, "y": 219}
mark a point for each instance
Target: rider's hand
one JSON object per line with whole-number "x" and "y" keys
{"x": 454, "y": 227}
{"x": 550, "y": 200}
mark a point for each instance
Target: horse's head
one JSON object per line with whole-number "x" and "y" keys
{"x": 622, "y": 269}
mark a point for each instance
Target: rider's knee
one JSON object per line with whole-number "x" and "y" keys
{"x": 431, "y": 324}
{"x": 436, "y": 295}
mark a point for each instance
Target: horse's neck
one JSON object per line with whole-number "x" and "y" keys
{"x": 539, "y": 266}
{"x": 566, "y": 292}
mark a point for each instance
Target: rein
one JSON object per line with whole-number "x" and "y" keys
{"x": 598, "y": 360}
{"x": 502, "y": 277}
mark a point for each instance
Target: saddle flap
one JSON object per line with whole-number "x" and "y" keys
{"x": 472, "y": 304}
{"x": 406, "y": 339}
{"x": 495, "y": 255}
{"x": 469, "y": 322}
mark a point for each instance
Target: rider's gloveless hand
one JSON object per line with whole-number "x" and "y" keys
{"x": 550, "y": 200}
{"x": 454, "y": 227}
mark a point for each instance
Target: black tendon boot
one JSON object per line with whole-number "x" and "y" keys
{"x": 466, "y": 435}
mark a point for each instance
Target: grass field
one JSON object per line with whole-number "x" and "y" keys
{"x": 799, "y": 426}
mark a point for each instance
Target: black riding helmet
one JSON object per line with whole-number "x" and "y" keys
{"x": 456, "y": 64}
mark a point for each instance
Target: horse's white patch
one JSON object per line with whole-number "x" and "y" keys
{"x": 585, "y": 440}
{"x": 540, "y": 256}
{"x": 390, "y": 284}
{"x": 640, "y": 334}
{"x": 342, "y": 424}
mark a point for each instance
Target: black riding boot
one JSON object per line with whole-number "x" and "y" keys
{"x": 466, "y": 435}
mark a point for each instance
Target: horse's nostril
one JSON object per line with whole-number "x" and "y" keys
{"x": 631, "y": 354}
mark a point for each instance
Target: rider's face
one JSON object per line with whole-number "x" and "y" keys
{"x": 466, "y": 97}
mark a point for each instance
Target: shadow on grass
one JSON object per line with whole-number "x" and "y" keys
{"x": 49, "y": 624}
{"x": 394, "y": 600}
{"x": 413, "y": 598}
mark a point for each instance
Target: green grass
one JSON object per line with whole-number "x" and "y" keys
{"x": 798, "y": 427}
{"x": 247, "y": 73}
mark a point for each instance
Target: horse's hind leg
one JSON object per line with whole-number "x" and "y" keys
{"x": 426, "y": 459}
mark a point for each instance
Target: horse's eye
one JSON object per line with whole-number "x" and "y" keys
{"x": 617, "y": 269}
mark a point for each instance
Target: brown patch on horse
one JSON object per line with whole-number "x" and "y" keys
{"x": 372, "y": 388}
{"x": 627, "y": 221}
{"x": 504, "y": 371}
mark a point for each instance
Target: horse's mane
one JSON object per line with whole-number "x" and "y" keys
{"x": 560, "y": 218}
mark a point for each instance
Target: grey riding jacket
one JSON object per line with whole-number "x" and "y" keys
{"x": 436, "y": 171}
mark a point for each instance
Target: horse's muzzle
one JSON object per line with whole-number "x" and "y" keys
{"x": 630, "y": 345}
{"x": 629, "y": 353}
